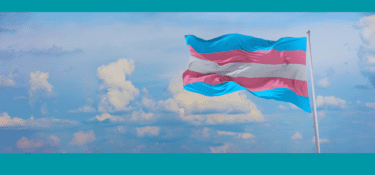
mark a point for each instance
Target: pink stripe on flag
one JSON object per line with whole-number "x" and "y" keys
{"x": 252, "y": 84}
{"x": 262, "y": 57}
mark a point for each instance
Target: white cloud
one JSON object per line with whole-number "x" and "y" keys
{"x": 296, "y": 136}
{"x": 293, "y": 106}
{"x": 358, "y": 102}
{"x": 236, "y": 134}
{"x": 226, "y": 148}
{"x": 193, "y": 107}
{"x": 145, "y": 90}
{"x": 324, "y": 83}
{"x": 6, "y": 120}
{"x": 81, "y": 138}
{"x": 120, "y": 92}
{"x": 320, "y": 140}
{"x": 370, "y": 105}
{"x": 85, "y": 108}
{"x": 282, "y": 107}
{"x": 136, "y": 116}
{"x": 7, "y": 81}
{"x": 54, "y": 140}
{"x": 112, "y": 118}
{"x": 366, "y": 52}
{"x": 38, "y": 81}
{"x": 330, "y": 101}
{"x": 25, "y": 143}
{"x": 148, "y": 130}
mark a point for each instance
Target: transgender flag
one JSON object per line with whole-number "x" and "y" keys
{"x": 268, "y": 69}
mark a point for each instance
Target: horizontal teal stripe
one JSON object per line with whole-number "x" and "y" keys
{"x": 246, "y": 43}
{"x": 180, "y": 164}
{"x": 279, "y": 94}
{"x": 189, "y": 6}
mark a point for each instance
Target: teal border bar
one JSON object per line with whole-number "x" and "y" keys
{"x": 187, "y": 6}
{"x": 191, "y": 164}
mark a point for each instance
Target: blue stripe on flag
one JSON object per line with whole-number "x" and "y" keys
{"x": 279, "y": 94}
{"x": 246, "y": 43}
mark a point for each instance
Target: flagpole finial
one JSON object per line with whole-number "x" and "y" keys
{"x": 308, "y": 32}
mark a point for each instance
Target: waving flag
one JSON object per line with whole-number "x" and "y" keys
{"x": 268, "y": 69}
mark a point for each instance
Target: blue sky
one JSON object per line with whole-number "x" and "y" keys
{"x": 111, "y": 82}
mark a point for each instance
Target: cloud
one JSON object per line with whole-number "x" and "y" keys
{"x": 54, "y": 51}
{"x": 38, "y": 81}
{"x": 139, "y": 116}
{"x": 85, "y": 108}
{"x": 370, "y": 105}
{"x": 324, "y": 83}
{"x": 330, "y": 101}
{"x": 226, "y": 148}
{"x": 296, "y": 136}
{"x": 148, "y": 130}
{"x": 6, "y": 120}
{"x": 119, "y": 129}
{"x": 120, "y": 92}
{"x": 81, "y": 138}
{"x": 293, "y": 106}
{"x": 7, "y": 81}
{"x": 199, "y": 109}
{"x": 236, "y": 134}
{"x": 320, "y": 140}
{"x": 25, "y": 143}
{"x": 106, "y": 116}
{"x": 282, "y": 107}
{"x": 366, "y": 52}
{"x": 54, "y": 140}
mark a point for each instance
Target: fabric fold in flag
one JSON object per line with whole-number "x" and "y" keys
{"x": 267, "y": 69}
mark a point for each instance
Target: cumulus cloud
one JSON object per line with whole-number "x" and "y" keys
{"x": 139, "y": 116}
{"x": 296, "y": 136}
{"x": 320, "y": 140}
{"x": 54, "y": 140}
{"x": 25, "y": 143}
{"x": 7, "y": 121}
{"x": 366, "y": 52}
{"x": 148, "y": 130}
{"x": 330, "y": 101}
{"x": 194, "y": 108}
{"x": 105, "y": 116}
{"x": 370, "y": 105}
{"x": 7, "y": 80}
{"x": 120, "y": 92}
{"x": 236, "y": 134}
{"x": 81, "y": 138}
{"x": 38, "y": 81}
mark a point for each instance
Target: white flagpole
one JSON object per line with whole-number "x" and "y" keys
{"x": 313, "y": 97}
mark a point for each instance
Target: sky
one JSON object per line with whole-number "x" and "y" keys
{"x": 112, "y": 83}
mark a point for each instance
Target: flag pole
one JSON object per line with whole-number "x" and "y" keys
{"x": 313, "y": 98}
